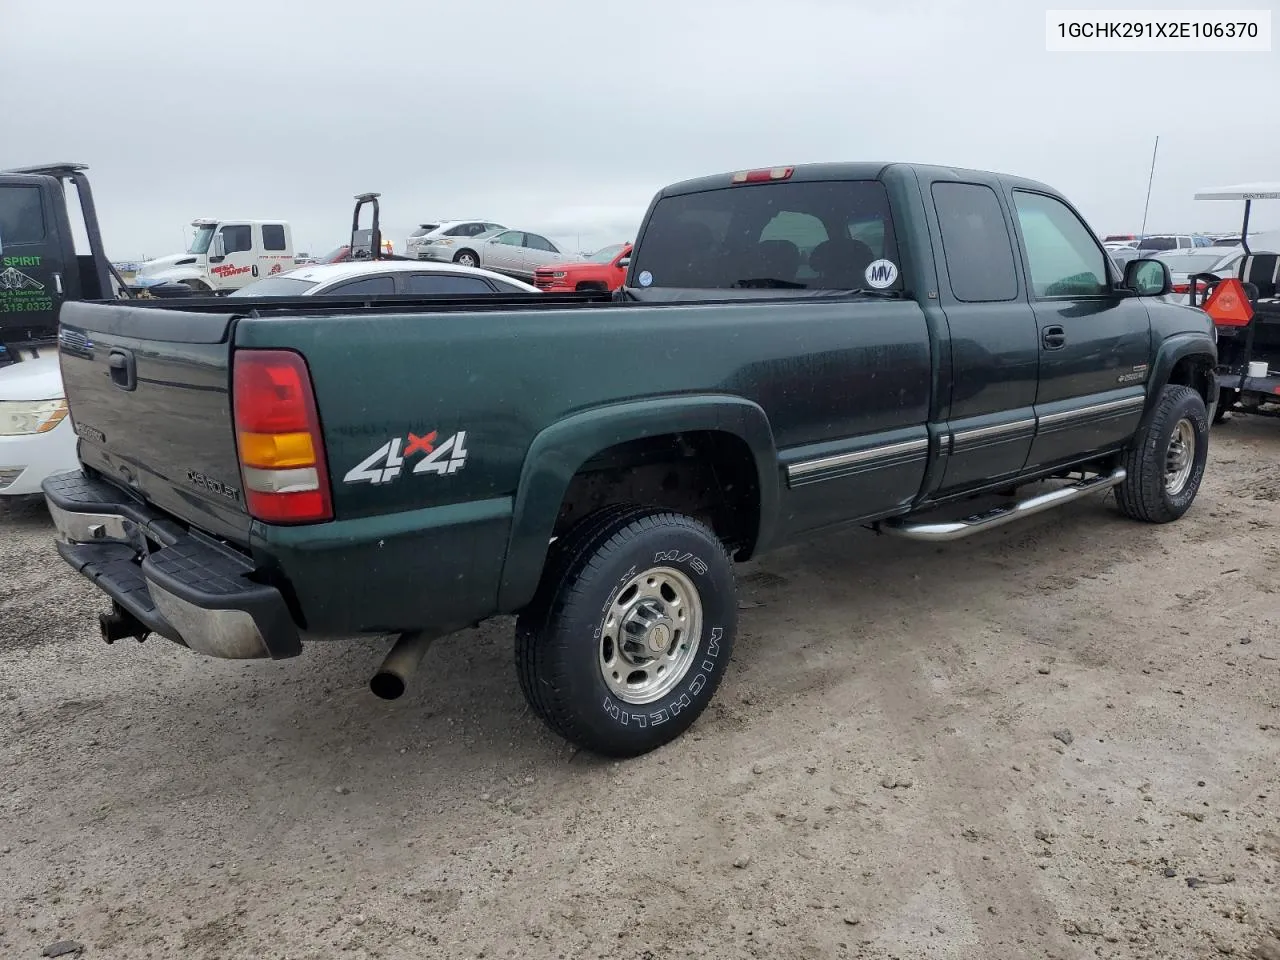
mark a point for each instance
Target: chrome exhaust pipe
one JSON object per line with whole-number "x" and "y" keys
{"x": 401, "y": 663}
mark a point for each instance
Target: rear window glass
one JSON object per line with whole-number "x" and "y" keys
{"x": 822, "y": 235}
{"x": 274, "y": 287}
{"x": 21, "y": 215}
{"x": 1159, "y": 243}
{"x": 424, "y": 229}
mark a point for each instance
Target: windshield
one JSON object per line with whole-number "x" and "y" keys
{"x": 334, "y": 254}
{"x": 606, "y": 254}
{"x": 275, "y": 287}
{"x": 204, "y": 235}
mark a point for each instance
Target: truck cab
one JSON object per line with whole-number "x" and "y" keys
{"x": 224, "y": 255}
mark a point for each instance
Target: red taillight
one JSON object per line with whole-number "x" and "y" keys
{"x": 763, "y": 176}
{"x": 1181, "y": 288}
{"x": 278, "y": 438}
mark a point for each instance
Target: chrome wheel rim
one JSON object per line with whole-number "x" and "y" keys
{"x": 650, "y": 635}
{"x": 466, "y": 261}
{"x": 1180, "y": 457}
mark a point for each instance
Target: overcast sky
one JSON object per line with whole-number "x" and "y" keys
{"x": 564, "y": 116}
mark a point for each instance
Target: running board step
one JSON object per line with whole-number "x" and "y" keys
{"x": 999, "y": 516}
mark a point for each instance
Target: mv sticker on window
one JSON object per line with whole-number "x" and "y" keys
{"x": 388, "y": 461}
{"x": 881, "y": 274}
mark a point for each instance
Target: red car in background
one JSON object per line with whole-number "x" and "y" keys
{"x": 600, "y": 271}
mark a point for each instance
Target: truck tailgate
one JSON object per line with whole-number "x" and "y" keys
{"x": 149, "y": 392}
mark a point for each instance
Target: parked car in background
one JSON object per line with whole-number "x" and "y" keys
{"x": 380, "y": 277}
{"x": 1227, "y": 263}
{"x": 514, "y": 252}
{"x": 602, "y": 270}
{"x": 460, "y": 250}
{"x": 1184, "y": 263}
{"x": 455, "y": 231}
{"x": 1156, "y": 242}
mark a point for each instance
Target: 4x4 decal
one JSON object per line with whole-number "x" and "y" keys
{"x": 387, "y": 462}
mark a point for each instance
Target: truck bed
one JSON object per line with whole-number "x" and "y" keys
{"x": 504, "y": 380}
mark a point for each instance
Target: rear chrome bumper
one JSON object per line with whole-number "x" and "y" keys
{"x": 180, "y": 584}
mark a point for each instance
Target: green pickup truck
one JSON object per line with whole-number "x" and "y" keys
{"x": 794, "y": 348}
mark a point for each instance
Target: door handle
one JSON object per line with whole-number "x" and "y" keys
{"x": 1054, "y": 338}
{"x": 255, "y": 269}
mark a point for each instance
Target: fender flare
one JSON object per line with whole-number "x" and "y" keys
{"x": 558, "y": 452}
{"x": 1178, "y": 347}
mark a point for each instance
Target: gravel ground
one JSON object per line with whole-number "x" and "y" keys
{"x": 1058, "y": 740}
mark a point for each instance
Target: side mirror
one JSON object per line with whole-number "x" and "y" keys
{"x": 218, "y": 248}
{"x": 624, "y": 263}
{"x": 1148, "y": 278}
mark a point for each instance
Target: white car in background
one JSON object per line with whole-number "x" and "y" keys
{"x": 371, "y": 278}
{"x": 519, "y": 253}
{"x": 453, "y": 230}
{"x": 36, "y": 436}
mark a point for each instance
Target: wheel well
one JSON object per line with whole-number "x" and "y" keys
{"x": 1195, "y": 372}
{"x": 708, "y": 474}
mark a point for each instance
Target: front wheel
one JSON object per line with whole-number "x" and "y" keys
{"x": 631, "y": 631}
{"x": 467, "y": 259}
{"x": 1165, "y": 463}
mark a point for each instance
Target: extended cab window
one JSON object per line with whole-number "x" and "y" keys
{"x": 975, "y": 243}
{"x": 21, "y": 215}
{"x": 820, "y": 235}
{"x": 273, "y": 236}
{"x": 1064, "y": 259}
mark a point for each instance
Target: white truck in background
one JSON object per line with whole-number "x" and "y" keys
{"x": 224, "y": 255}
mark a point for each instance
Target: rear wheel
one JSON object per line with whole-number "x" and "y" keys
{"x": 467, "y": 258}
{"x": 1165, "y": 464}
{"x": 631, "y": 631}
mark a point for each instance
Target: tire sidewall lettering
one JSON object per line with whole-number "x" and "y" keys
{"x": 702, "y": 672}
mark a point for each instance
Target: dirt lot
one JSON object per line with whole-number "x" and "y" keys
{"x": 1062, "y": 740}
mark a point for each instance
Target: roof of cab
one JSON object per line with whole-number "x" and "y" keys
{"x": 864, "y": 170}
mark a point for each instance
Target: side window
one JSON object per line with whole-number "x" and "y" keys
{"x": 461, "y": 230}
{"x": 237, "y": 238}
{"x": 446, "y": 283}
{"x": 363, "y": 287}
{"x": 512, "y": 238}
{"x": 1064, "y": 259}
{"x": 273, "y": 236}
{"x": 538, "y": 243}
{"x": 975, "y": 243}
{"x": 21, "y": 215}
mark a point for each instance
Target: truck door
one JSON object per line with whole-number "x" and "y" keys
{"x": 1095, "y": 342}
{"x": 993, "y": 336}
{"x": 233, "y": 261}
{"x": 38, "y": 270}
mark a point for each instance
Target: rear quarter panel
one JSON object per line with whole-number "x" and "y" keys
{"x": 823, "y": 370}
